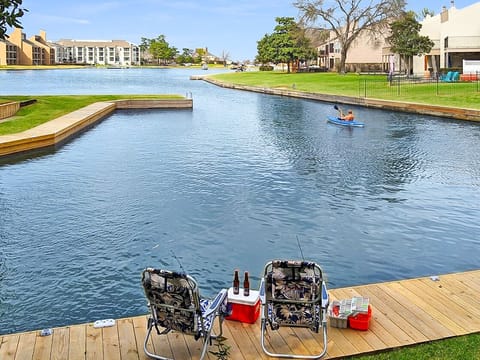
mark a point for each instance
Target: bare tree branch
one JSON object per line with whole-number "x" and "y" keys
{"x": 347, "y": 19}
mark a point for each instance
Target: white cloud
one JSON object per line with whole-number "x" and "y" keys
{"x": 53, "y": 19}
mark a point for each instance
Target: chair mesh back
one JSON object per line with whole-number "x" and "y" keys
{"x": 173, "y": 298}
{"x": 293, "y": 294}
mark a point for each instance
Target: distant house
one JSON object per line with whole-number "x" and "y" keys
{"x": 366, "y": 54}
{"x": 206, "y": 56}
{"x": 456, "y": 34}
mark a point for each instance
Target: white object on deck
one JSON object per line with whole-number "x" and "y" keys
{"x": 103, "y": 323}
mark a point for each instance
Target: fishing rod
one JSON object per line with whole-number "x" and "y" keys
{"x": 300, "y": 247}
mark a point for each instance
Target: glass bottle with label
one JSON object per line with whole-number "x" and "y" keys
{"x": 236, "y": 283}
{"x": 246, "y": 285}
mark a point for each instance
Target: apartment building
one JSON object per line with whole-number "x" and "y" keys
{"x": 17, "y": 49}
{"x": 96, "y": 52}
{"x": 366, "y": 54}
{"x": 456, "y": 34}
{"x": 8, "y": 53}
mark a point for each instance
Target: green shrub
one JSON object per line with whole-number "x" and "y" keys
{"x": 266, "y": 68}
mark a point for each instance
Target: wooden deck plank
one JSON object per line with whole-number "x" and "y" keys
{"x": 462, "y": 293}
{"x": 61, "y": 338}
{"x": 8, "y": 346}
{"x": 254, "y": 333}
{"x": 446, "y": 311}
{"x": 393, "y": 310}
{"x": 43, "y": 347}
{"x": 160, "y": 344}
{"x": 26, "y": 346}
{"x": 78, "y": 343}
{"x": 128, "y": 346}
{"x": 94, "y": 343}
{"x": 235, "y": 346}
{"x": 294, "y": 343}
{"x": 111, "y": 343}
{"x": 461, "y": 299}
{"x": 404, "y": 313}
{"x": 370, "y": 337}
{"x": 178, "y": 345}
{"x": 140, "y": 328}
{"x": 380, "y": 324}
{"x": 423, "y": 301}
{"x": 309, "y": 339}
{"x": 244, "y": 342}
{"x": 423, "y": 321}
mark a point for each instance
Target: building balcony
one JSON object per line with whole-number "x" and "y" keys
{"x": 462, "y": 42}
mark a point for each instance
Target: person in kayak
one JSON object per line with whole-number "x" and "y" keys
{"x": 348, "y": 117}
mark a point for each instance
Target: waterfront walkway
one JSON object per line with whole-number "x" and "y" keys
{"x": 404, "y": 313}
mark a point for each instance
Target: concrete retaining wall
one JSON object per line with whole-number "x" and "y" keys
{"x": 63, "y": 128}
{"x": 416, "y": 108}
{"x": 8, "y": 109}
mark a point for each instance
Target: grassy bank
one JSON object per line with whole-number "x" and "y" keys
{"x": 50, "y": 107}
{"x": 460, "y": 94}
{"x": 458, "y": 348}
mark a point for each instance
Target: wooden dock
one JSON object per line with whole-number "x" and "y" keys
{"x": 404, "y": 313}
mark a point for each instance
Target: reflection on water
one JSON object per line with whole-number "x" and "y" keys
{"x": 231, "y": 184}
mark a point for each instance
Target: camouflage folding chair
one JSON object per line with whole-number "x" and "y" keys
{"x": 293, "y": 294}
{"x": 175, "y": 304}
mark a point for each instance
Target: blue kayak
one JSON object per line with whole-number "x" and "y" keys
{"x": 338, "y": 121}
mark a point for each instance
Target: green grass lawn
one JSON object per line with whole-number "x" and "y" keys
{"x": 457, "y": 348}
{"x": 460, "y": 94}
{"x": 50, "y": 107}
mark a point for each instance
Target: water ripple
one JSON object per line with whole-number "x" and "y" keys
{"x": 241, "y": 179}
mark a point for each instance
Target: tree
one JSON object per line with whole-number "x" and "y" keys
{"x": 347, "y": 19}
{"x": 186, "y": 57}
{"x": 160, "y": 49}
{"x": 287, "y": 44}
{"x": 264, "y": 50}
{"x": 427, "y": 12}
{"x": 225, "y": 56}
{"x": 405, "y": 39}
{"x": 10, "y": 13}
{"x": 144, "y": 47}
{"x": 200, "y": 56}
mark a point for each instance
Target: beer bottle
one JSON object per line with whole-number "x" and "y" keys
{"x": 246, "y": 285}
{"x": 236, "y": 283}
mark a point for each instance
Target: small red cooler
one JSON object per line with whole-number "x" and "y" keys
{"x": 244, "y": 308}
{"x": 360, "y": 321}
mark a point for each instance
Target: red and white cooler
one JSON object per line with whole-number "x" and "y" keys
{"x": 244, "y": 308}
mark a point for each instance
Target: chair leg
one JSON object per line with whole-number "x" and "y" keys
{"x": 206, "y": 342}
{"x": 292, "y": 356}
{"x": 148, "y": 353}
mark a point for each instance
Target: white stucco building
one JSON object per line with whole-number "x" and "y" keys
{"x": 96, "y": 52}
{"x": 456, "y": 34}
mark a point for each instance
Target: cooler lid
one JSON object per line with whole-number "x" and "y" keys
{"x": 242, "y": 299}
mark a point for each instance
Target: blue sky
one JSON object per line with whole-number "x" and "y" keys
{"x": 230, "y": 26}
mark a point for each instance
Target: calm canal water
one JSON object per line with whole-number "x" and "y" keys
{"x": 230, "y": 184}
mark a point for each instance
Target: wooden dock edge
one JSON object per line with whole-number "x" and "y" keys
{"x": 63, "y": 128}
{"x": 405, "y": 313}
